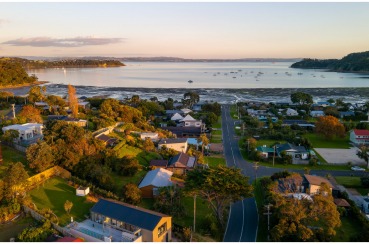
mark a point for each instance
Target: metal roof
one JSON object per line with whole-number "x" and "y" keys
{"x": 140, "y": 217}
{"x": 158, "y": 178}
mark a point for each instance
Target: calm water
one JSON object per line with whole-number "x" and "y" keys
{"x": 203, "y": 75}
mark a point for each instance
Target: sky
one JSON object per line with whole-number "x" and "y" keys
{"x": 187, "y": 30}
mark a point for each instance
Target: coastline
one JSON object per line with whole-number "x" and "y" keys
{"x": 23, "y": 88}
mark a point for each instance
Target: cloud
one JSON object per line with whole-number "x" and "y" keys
{"x": 62, "y": 42}
{"x": 3, "y": 21}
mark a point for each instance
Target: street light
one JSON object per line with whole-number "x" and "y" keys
{"x": 256, "y": 166}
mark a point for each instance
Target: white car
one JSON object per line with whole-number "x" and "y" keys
{"x": 357, "y": 168}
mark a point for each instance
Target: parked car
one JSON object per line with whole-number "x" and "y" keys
{"x": 357, "y": 168}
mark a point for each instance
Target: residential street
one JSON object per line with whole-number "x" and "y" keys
{"x": 243, "y": 219}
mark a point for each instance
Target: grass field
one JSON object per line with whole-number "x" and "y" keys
{"x": 121, "y": 181}
{"x": 352, "y": 182}
{"x": 202, "y": 210}
{"x": 143, "y": 157}
{"x": 54, "y": 194}
{"x": 10, "y": 156}
{"x": 349, "y": 228}
{"x": 214, "y": 161}
{"x": 218, "y": 124}
{"x": 319, "y": 141}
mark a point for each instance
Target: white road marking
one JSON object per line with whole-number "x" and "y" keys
{"x": 243, "y": 220}
{"x": 229, "y": 216}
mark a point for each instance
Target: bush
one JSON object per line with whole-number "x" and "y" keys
{"x": 365, "y": 181}
{"x": 313, "y": 161}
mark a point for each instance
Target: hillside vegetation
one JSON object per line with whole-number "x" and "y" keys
{"x": 354, "y": 62}
{"x": 67, "y": 63}
{"x": 13, "y": 74}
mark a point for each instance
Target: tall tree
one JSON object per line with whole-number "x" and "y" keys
{"x": 36, "y": 93}
{"x": 40, "y": 156}
{"x": 204, "y": 140}
{"x": 31, "y": 114}
{"x": 15, "y": 180}
{"x": 190, "y": 98}
{"x": 363, "y": 153}
{"x": 219, "y": 186}
{"x": 170, "y": 201}
{"x": 132, "y": 194}
{"x": 68, "y": 206}
{"x": 329, "y": 126}
{"x": 301, "y": 98}
{"x": 73, "y": 101}
{"x": 148, "y": 145}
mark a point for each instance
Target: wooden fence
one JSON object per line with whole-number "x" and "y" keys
{"x": 36, "y": 180}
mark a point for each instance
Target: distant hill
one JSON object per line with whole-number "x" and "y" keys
{"x": 174, "y": 59}
{"x": 64, "y": 63}
{"x": 354, "y": 62}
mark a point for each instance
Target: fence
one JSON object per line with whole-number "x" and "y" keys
{"x": 107, "y": 130}
{"x": 39, "y": 217}
{"x": 47, "y": 174}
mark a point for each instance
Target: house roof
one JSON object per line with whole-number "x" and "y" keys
{"x": 23, "y": 127}
{"x": 317, "y": 112}
{"x": 172, "y": 140}
{"x": 158, "y": 178}
{"x": 106, "y": 138}
{"x": 159, "y": 162}
{"x": 176, "y": 116}
{"x": 265, "y": 149}
{"x": 186, "y": 110}
{"x": 317, "y": 180}
{"x": 340, "y": 202}
{"x": 361, "y": 132}
{"x": 182, "y": 160}
{"x": 140, "y": 217}
{"x": 289, "y": 147}
{"x": 188, "y": 118}
{"x": 173, "y": 111}
{"x": 69, "y": 239}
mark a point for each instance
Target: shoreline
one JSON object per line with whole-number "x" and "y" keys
{"x": 37, "y": 83}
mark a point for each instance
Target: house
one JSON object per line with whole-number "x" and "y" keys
{"x": 312, "y": 183}
{"x": 317, "y": 113}
{"x": 301, "y": 123}
{"x": 359, "y": 137}
{"x": 291, "y": 112}
{"x": 153, "y": 180}
{"x": 134, "y": 223}
{"x": 185, "y": 131}
{"x": 181, "y": 163}
{"x": 158, "y": 163}
{"x": 178, "y": 144}
{"x": 340, "y": 202}
{"x": 83, "y": 104}
{"x": 108, "y": 141}
{"x": 151, "y": 135}
{"x": 189, "y": 121}
{"x": 186, "y": 111}
{"x": 266, "y": 152}
{"x": 176, "y": 117}
{"x": 82, "y": 191}
{"x": 69, "y": 120}
{"x": 295, "y": 151}
{"x": 347, "y": 114}
{"x": 27, "y": 132}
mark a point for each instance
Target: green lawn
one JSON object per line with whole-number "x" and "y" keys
{"x": 54, "y": 194}
{"x": 218, "y": 124}
{"x": 319, "y": 141}
{"x": 216, "y": 132}
{"x": 233, "y": 111}
{"x": 202, "y": 210}
{"x": 143, "y": 157}
{"x": 216, "y": 139}
{"x": 12, "y": 229}
{"x": 10, "y": 156}
{"x": 121, "y": 181}
{"x": 215, "y": 161}
{"x": 352, "y": 182}
{"x": 349, "y": 228}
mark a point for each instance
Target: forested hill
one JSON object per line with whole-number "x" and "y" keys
{"x": 13, "y": 74}
{"x": 67, "y": 63}
{"x": 354, "y": 62}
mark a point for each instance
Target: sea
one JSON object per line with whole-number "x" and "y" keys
{"x": 224, "y": 82}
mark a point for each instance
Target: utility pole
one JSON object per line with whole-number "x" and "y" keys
{"x": 256, "y": 166}
{"x": 273, "y": 154}
{"x": 268, "y": 214}
{"x": 13, "y": 108}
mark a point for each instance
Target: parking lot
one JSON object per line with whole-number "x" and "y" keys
{"x": 340, "y": 156}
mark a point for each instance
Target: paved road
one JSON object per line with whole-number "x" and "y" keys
{"x": 243, "y": 218}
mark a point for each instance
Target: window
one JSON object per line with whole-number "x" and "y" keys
{"x": 162, "y": 229}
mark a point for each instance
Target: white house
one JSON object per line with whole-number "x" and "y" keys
{"x": 176, "y": 117}
{"x": 153, "y": 180}
{"x": 316, "y": 113}
{"x": 26, "y": 131}
{"x": 291, "y": 112}
{"x": 178, "y": 144}
{"x": 151, "y": 135}
{"x": 360, "y": 137}
{"x": 189, "y": 121}
{"x": 82, "y": 191}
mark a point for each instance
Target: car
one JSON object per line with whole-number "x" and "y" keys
{"x": 357, "y": 168}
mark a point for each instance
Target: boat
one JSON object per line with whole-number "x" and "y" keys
{"x": 190, "y": 81}
{"x": 234, "y": 77}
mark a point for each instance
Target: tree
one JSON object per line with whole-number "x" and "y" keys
{"x": 40, "y": 156}
{"x": 329, "y": 126}
{"x": 204, "y": 140}
{"x": 72, "y": 100}
{"x": 191, "y": 98}
{"x": 170, "y": 201}
{"x": 363, "y": 154}
{"x": 131, "y": 194}
{"x": 219, "y": 186}
{"x": 31, "y": 114}
{"x": 36, "y": 93}
{"x": 148, "y": 145}
{"x": 10, "y": 135}
{"x": 331, "y": 111}
{"x": 68, "y": 206}
{"x": 15, "y": 180}
{"x": 127, "y": 166}
{"x": 301, "y": 98}
{"x": 250, "y": 144}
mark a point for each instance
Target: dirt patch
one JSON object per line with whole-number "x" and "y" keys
{"x": 216, "y": 147}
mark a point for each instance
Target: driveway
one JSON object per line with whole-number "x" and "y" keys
{"x": 340, "y": 156}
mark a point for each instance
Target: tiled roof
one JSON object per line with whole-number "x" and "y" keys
{"x": 182, "y": 160}
{"x": 317, "y": 180}
{"x": 140, "y": 217}
{"x": 159, "y": 162}
{"x": 361, "y": 132}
